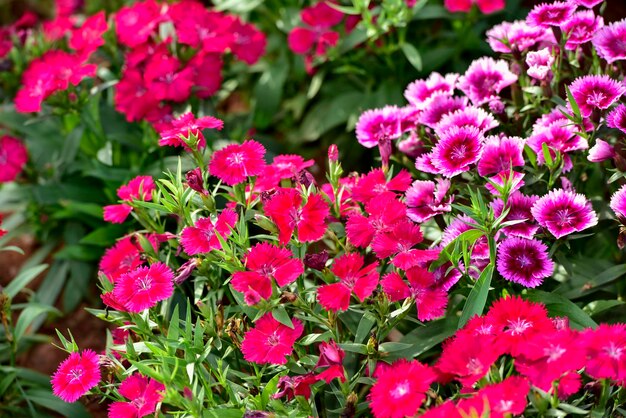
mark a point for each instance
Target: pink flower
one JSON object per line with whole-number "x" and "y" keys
{"x": 384, "y": 212}
{"x": 331, "y": 356}
{"x": 185, "y": 126}
{"x": 207, "y": 30}
{"x": 139, "y": 188}
{"x": 207, "y": 68}
{"x": 439, "y": 106}
{"x": 132, "y": 96}
{"x": 400, "y": 389}
{"x": 265, "y": 262}
{"x": 270, "y": 342}
{"x": 596, "y": 92}
{"x": 581, "y": 28}
{"x": 540, "y": 63}
{"x": 117, "y": 214}
{"x": 76, "y": 375}
{"x": 203, "y": 236}
{"x": 282, "y": 167}
{"x": 134, "y": 24}
{"x": 469, "y": 117}
{"x": 606, "y": 351}
{"x": 518, "y": 206}
{"x": 354, "y": 278}
{"x": 426, "y": 199}
{"x": 234, "y": 163}
{"x": 587, "y": 3}
{"x": 617, "y": 118}
{"x": 143, "y": 394}
{"x": 601, "y": 151}
{"x": 545, "y": 15}
{"x": 485, "y": 6}
{"x": 498, "y": 400}
{"x": 122, "y": 258}
{"x": 399, "y": 242}
{"x": 485, "y": 79}
{"x": 290, "y": 387}
{"x": 421, "y": 93}
{"x": 143, "y": 287}
{"x": 514, "y": 179}
{"x": 467, "y": 357}
{"x": 563, "y": 212}
{"x": 248, "y": 42}
{"x": 89, "y": 36}
{"x": 378, "y": 127}
{"x": 609, "y": 41}
{"x": 373, "y": 184}
{"x": 457, "y": 149}
{"x": 316, "y": 38}
{"x": 524, "y": 261}
{"x": 618, "y": 202}
{"x": 13, "y": 157}
{"x": 501, "y": 153}
{"x": 518, "y": 35}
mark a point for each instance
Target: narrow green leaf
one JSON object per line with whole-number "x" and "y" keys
{"x": 22, "y": 280}
{"x": 557, "y": 305}
{"x": 475, "y": 303}
{"x": 413, "y": 56}
{"x": 280, "y": 314}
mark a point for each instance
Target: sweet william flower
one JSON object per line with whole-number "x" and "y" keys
{"x": 139, "y": 188}
{"x": 524, "y": 261}
{"x": 485, "y": 6}
{"x": 136, "y": 23}
{"x": 378, "y": 127}
{"x": 248, "y": 43}
{"x": 331, "y": 356}
{"x": 234, "y": 163}
{"x": 545, "y": 15}
{"x": 601, "y": 151}
{"x": 485, "y": 79}
{"x": 618, "y": 202}
{"x": 144, "y": 287}
{"x": 458, "y": 148}
{"x": 187, "y": 125}
{"x": 426, "y": 199}
{"x": 203, "y": 236}
{"x": 563, "y": 212}
{"x": 421, "y": 93}
{"x": 89, "y": 36}
{"x": 76, "y": 375}
{"x": 398, "y": 243}
{"x": 501, "y": 153}
{"x": 518, "y": 206}
{"x": 540, "y": 63}
{"x": 270, "y": 342}
{"x": 606, "y": 351}
{"x": 13, "y": 157}
{"x": 373, "y": 184}
{"x": 354, "y": 278}
{"x": 518, "y": 35}
{"x": 581, "y": 28}
{"x": 498, "y": 400}
{"x": 290, "y": 387}
{"x": 143, "y": 394}
{"x": 383, "y": 213}
{"x": 596, "y": 92}
{"x": 617, "y": 118}
{"x": 609, "y": 41}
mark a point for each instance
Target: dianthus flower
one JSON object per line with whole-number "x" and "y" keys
{"x": 143, "y": 394}
{"x": 203, "y": 236}
{"x": 545, "y": 15}
{"x": 89, "y": 36}
{"x": 384, "y": 212}
{"x": 400, "y": 389}
{"x": 270, "y": 342}
{"x": 331, "y": 356}
{"x": 316, "y": 38}
{"x": 587, "y": 3}
{"x": 398, "y": 242}
{"x": 132, "y": 97}
{"x": 557, "y": 137}
{"x": 143, "y": 287}
{"x": 378, "y": 127}
{"x": 501, "y": 153}
{"x": 498, "y": 400}
{"x": 286, "y": 166}
{"x": 540, "y": 63}
{"x": 139, "y": 188}
{"x": 469, "y": 117}
{"x": 431, "y": 300}
{"x": 457, "y": 149}
{"x": 485, "y": 79}
{"x": 285, "y": 209}
{"x": 609, "y": 41}
{"x": 207, "y": 30}
{"x": 426, "y": 199}
{"x": 207, "y": 67}
{"x": 518, "y": 206}
{"x": 248, "y": 42}
{"x": 581, "y": 28}
{"x": 292, "y": 386}
{"x": 617, "y": 118}
{"x": 374, "y": 183}
{"x": 263, "y": 263}
{"x": 563, "y": 212}
{"x": 440, "y": 106}
{"x": 601, "y": 151}
{"x": 596, "y": 92}
{"x": 354, "y": 278}
{"x": 167, "y": 78}
{"x": 234, "y": 163}
{"x": 187, "y": 125}
{"x": 606, "y": 352}
{"x": 513, "y": 179}
{"x": 134, "y": 24}
{"x": 122, "y": 258}
{"x": 524, "y": 261}
{"x": 618, "y": 202}
{"x": 13, "y": 157}
{"x": 421, "y": 93}
{"x": 518, "y": 35}
{"x": 485, "y": 6}
{"x": 467, "y": 358}
{"x": 76, "y": 375}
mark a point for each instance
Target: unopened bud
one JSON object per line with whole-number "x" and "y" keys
{"x": 333, "y": 153}
{"x": 195, "y": 181}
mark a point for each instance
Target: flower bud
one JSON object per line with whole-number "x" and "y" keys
{"x": 195, "y": 182}
{"x": 333, "y": 153}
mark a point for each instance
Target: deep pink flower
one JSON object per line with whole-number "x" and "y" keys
{"x": 143, "y": 394}
{"x": 421, "y": 93}
{"x": 282, "y": 167}
{"x": 139, "y": 188}
{"x": 134, "y": 24}
{"x": 581, "y": 28}
{"x": 400, "y": 389}
{"x": 563, "y": 212}
{"x": 354, "y": 278}
{"x": 439, "y": 106}
{"x": 203, "y": 236}
{"x": 331, "y": 356}
{"x": 143, "y": 287}
{"x": 89, "y": 36}
{"x": 545, "y": 15}
{"x": 606, "y": 351}
{"x": 234, "y": 163}
{"x": 467, "y": 357}
{"x": 458, "y": 5}
{"x": 501, "y": 153}
{"x": 167, "y": 79}
{"x": 285, "y": 209}
{"x": 207, "y": 69}
{"x": 517, "y": 35}
{"x": 609, "y": 41}
{"x": 248, "y": 43}
{"x": 469, "y": 117}
{"x": 399, "y": 242}
{"x": 617, "y": 118}
{"x": 76, "y": 375}
{"x": 524, "y": 261}
{"x": 498, "y": 400}
{"x": 374, "y": 183}
{"x": 485, "y": 6}
{"x": 116, "y": 214}
{"x": 187, "y": 125}
{"x": 485, "y": 79}
{"x": 426, "y": 199}
{"x": 122, "y": 258}
{"x": 378, "y": 127}
{"x": 618, "y": 202}
{"x": 270, "y": 342}
{"x": 316, "y": 37}
{"x": 132, "y": 96}
{"x": 490, "y": 6}
{"x": 518, "y": 206}
{"x": 540, "y": 63}
{"x": 207, "y": 30}
{"x": 596, "y": 92}
{"x": 601, "y": 151}
{"x": 263, "y": 263}
{"x": 13, "y": 157}
{"x": 558, "y": 137}
{"x": 290, "y": 387}
{"x": 384, "y": 212}
{"x": 587, "y": 3}
{"x": 457, "y": 149}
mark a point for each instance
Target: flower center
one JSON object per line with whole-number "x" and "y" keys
{"x": 401, "y": 389}
{"x": 519, "y": 326}
{"x": 474, "y": 366}
{"x": 145, "y": 283}
{"x": 614, "y": 351}
{"x": 554, "y": 353}
{"x": 273, "y": 340}
{"x": 563, "y": 217}
{"x": 596, "y": 98}
{"x": 76, "y": 375}
{"x": 4, "y": 157}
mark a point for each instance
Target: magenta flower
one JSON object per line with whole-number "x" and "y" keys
{"x": 485, "y": 6}
{"x": 596, "y": 92}
{"x": 116, "y": 214}
{"x": 378, "y": 127}
{"x": 470, "y": 116}
{"x": 587, "y": 3}
{"x": 609, "y": 41}
{"x": 265, "y": 262}
{"x": 501, "y": 153}
{"x": 540, "y": 63}
{"x": 545, "y": 15}
{"x": 601, "y": 151}
{"x": 605, "y": 351}
{"x": 518, "y": 35}
{"x": 439, "y": 107}
{"x": 374, "y": 183}
{"x": 123, "y": 257}
{"x": 316, "y": 38}
{"x": 431, "y": 300}
{"x": 143, "y": 287}
{"x": 558, "y": 137}
{"x": 421, "y": 93}
{"x": 203, "y": 236}
{"x": 270, "y": 342}
{"x": 563, "y": 212}
{"x": 426, "y": 199}
{"x": 399, "y": 242}
{"x": 485, "y": 79}
{"x": 331, "y": 356}
{"x": 234, "y": 163}
{"x": 581, "y": 28}
{"x": 457, "y": 149}
{"x": 13, "y": 157}
{"x": 424, "y": 164}
{"x": 143, "y": 394}
{"x": 617, "y": 118}
{"x": 618, "y": 202}
{"x": 88, "y": 37}
{"x": 524, "y": 261}
{"x": 134, "y": 24}
{"x": 384, "y": 212}
{"x": 513, "y": 178}
{"x": 139, "y": 188}
{"x": 76, "y": 375}
{"x": 518, "y": 206}
{"x": 354, "y": 278}
{"x": 187, "y": 125}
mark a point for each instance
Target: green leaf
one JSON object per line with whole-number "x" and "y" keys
{"x": 22, "y": 280}
{"x": 330, "y": 113}
{"x": 392, "y": 346}
{"x": 269, "y": 91}
{"x": 103, "y": 236}
{"x": 354, "y": 348}
{"x": 365, "y": 325}
{"x": 557, "y": 305}
{"x": 475, "y": 303}
{"x": 546, "y": 154}
{"x": 413, "y": 56}
{"x": 223, "y": 412}
{"x": 46, "y": 399}
{"x": 28, "y": 315}
{"x": 573, "y": 103}
{"x": 280, "y": 314}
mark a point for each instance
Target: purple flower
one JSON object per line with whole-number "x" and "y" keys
{"x": 425, "y": 199}
{"x": 618, "y": 202}
{"x": 596, "y": 92}
{"x": 601, "y": 151}
{"x": 439, "y": 107}
{"x": 457, "y": 149}
{"x": 545, "y": 15}
{"x": 524, "y": 261}
{"x": 519, "y": 206}
{"x": 518, "y": 35}
{"x": 563, "y": 212}
{"x": 617, "y": 118}
{"x": 581, "y": 28}
{"x": 500, "y": 153}
{"x": 610, "y": 41}
{"x": 421, "y": 92}
{"x": 484, "y": 79}
{"x": 470, "y": 116}
{"x": 540, "y": 63}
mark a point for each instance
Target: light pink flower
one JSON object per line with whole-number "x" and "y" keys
{"x": 485, "y": 79}
{"x": 617, "y": 118}
{"x": 540, "y": 63}
{"x": 596, "y": 92}
{"x": 601, "y": 151}
{"x": 421, "y": 93}
{"x": 618, "y": 202}
{"x": 518, "y": 35}
{"x": 563, "y": 212}
{"x": 470, "y": 116}
{"x": 609, "y": 41}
